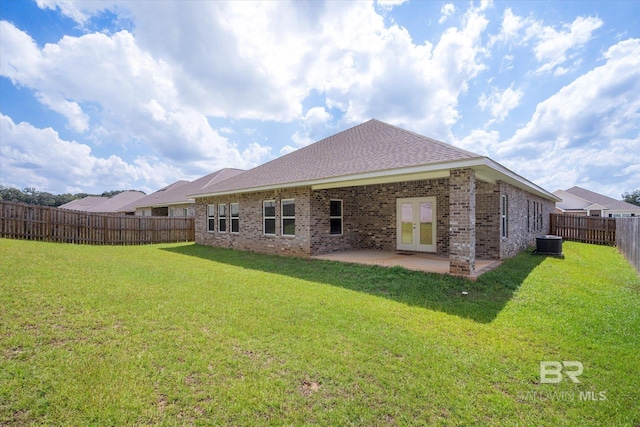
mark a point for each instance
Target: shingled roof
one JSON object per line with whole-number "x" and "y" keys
{"x": 104, "y": 204}
{"x": 178, "y": 192}
{"x": 369, "y": 147}
{"x": 370, "y": 153}
{"x": 602, "y": 200}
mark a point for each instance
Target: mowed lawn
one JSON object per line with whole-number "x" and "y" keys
{"x": 190, "y": 335}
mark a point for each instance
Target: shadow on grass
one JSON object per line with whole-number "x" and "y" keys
{"x": 485, "y": 298}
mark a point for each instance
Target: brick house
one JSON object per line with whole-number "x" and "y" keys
{"x": 376, "y": 186}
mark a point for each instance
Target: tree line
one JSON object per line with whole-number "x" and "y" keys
{"x": 632, "y": 197}
{"x": 32, "y": 196}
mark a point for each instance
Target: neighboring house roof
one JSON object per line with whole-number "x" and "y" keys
{"x": 104, "y": 204}
{"x": 176, "y": 193}
{"x": 83, "y": 204}
{"x": 369, "y": 153}
{"x": 578, "y": 198}
{"x": 571, "y": 202}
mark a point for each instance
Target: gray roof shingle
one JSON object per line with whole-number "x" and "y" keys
{"x": 104, "y": 204}
{"x": 602, "y": 200}
{"x": 178, "y": 192}
{"x": 369, "y": 147}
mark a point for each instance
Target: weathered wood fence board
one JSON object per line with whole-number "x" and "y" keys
{"x": 628, "y": 239}
{"x": 21, "y": 221}
{"x": 586, "y": 229}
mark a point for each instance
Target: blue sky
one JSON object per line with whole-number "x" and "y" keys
{"x": 109, "y": 95}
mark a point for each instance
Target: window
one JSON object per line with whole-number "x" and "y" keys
{"x": 211, "y": 217}
{"x": 539, "y": 216}
{"x": 529, "y": 215}
{"x": 335, "y": 216}
{"x": 288, "y": 217}
{"x": 222, "y": 218}
{"x": 185, "y": 212}
{"x": 504, "y": 216}
{"x": 235, "y": 217}
{"x": 269, "y": 217}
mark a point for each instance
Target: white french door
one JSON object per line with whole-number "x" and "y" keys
{"x": 416, "y": 224}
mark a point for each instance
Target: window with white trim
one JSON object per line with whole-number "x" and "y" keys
{"x": 539, "y": 218}
{"x": 288, "y": 209}
{"x": 504, "y": 216}
{"x": 269, "y": 217}
{"x": 335, "y": 217}
{"x": 234, "y": 210}
{"x": 211, "y": 217}
{"x": 222, "y": 218}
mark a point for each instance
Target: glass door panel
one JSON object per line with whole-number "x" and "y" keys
{"x": 407, "y": 223}
{"x": 416, "y": 228}
{"x": 426, "y": 223}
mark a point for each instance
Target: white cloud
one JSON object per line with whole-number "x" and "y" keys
{"x": 587, "y": 129}
{"x": 40, "y": 158}
{"x": 78, "y": 120}
{"x": 315, "y": 124}
{"x": 446, "y": 11}
{"x": 389, "y": 4}
{"x": 551, "y": 47}
{"x": 500, "y": 103}
{"x": 51, "y": 163}
{"x": 79, "y": 12}
{"x": 510, "y": 29}
{"x": 136, "y": 94}
{"x": 377, "y": 72}
{"x": 480, "y": 141}
{"x": 260, "y": 60}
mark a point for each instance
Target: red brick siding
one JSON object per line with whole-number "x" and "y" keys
{"x": 519, "y": 237}
{"x": 370, "y": 215}
{"x": 462, "y": 225}
{"x": 487, "y": 220}
{"x": 251, "y": 236}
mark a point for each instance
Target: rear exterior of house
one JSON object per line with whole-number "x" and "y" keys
{"x": 461, "y": 205}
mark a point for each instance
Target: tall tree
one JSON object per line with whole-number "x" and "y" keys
{"x": 633, "y": 197}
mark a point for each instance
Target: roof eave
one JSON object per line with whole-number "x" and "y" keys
{"x": 519, "y": 181}
{"x": 346, "y": 180}
{"x": 483, "y": 165}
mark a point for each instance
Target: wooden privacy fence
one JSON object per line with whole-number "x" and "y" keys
{"x": 586, "y": 229}
{"x": 29, "y": 222}
{"x": 628, "y": 239}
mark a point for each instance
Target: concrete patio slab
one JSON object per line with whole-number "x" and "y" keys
{"x": 410, "y": 260}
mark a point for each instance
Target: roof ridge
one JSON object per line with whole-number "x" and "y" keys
{"x": 436, "y": 141}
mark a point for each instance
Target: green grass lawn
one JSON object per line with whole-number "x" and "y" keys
{"x": 185, "y": 334}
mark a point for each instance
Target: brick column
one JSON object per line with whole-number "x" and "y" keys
{"x": 462, "y": 221}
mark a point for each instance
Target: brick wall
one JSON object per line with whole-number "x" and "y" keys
{"x": 487, "y": 220}
{"x": 322, "y": 241}
{"x": 462, "y": 225}
{"x": 523, "y": 223}
{"x": 251, "y": 236}
{"x": 370, "y": 215}
{"x": 369, "y": 218}
{"x": 177, "y": 211}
